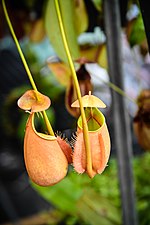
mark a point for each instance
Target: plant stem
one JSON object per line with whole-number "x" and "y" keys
{"x": 118, "y": 90}
{"x": 48, "y": 125}
{"x": 76, "y": 84}
{"x": 18, "y": 47}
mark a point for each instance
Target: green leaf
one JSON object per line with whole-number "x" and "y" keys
{"x": 80, "y": 15}
{"x": 53, "y": 29}
{"x": 98, "y": 4}
{"x": 138, "y": 32}
{"x": 95, "y": 209}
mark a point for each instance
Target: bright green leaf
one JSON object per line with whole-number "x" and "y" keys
{"x": 138, "y": 32}
{"x": 80, "y": 15}
{"x": 98, "y": 4}
{"x": 53, "y": 29}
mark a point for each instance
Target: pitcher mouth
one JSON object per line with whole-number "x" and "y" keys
{"x": 95, "y": 119}
{"x": 41, "y": 135}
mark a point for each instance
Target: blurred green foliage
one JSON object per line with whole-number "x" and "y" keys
{"x": 81, "y": 200}
{"x": 98, "y": 4}
{"x": 138, "y": 32}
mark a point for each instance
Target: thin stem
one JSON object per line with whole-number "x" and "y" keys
{"x": 18, "y": 47}
{"x": 117, "y": 89}
{"x": 84, "y": 122}
{"x": 48, "y": 125}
